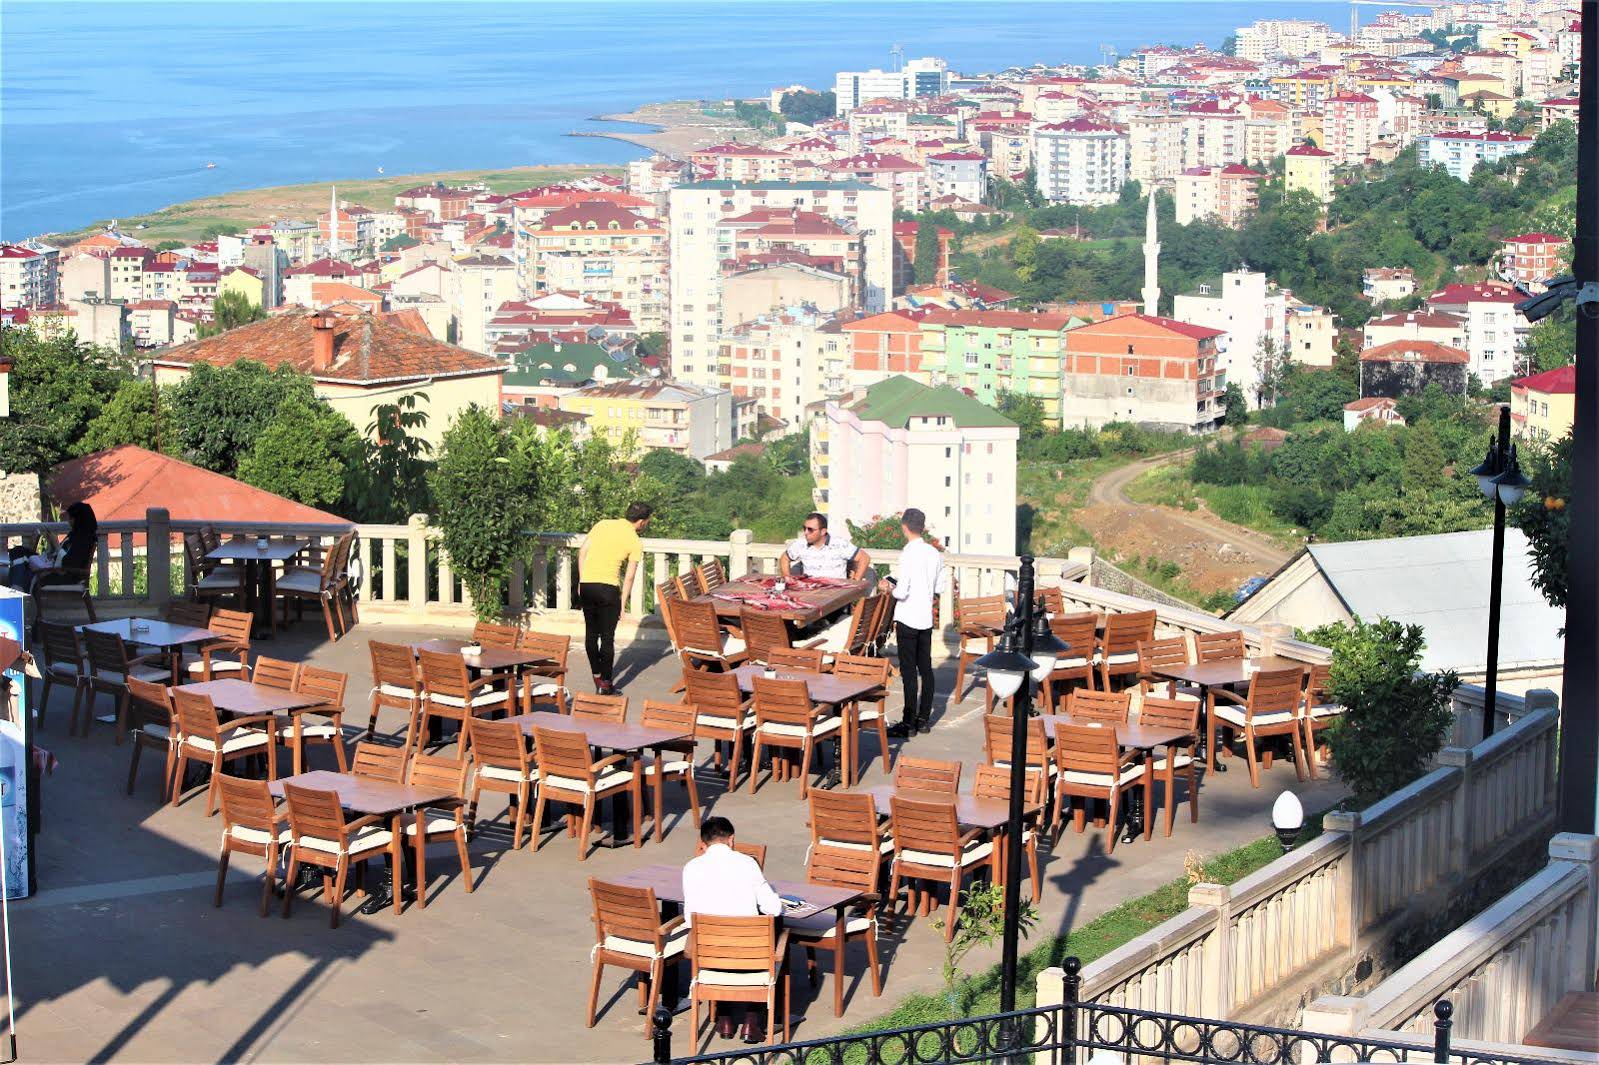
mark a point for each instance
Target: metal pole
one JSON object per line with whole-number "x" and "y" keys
{"x": 661, "y": 1037}
{"x": 1490, "y": 698}
{"x": 1021, "y": 705}
{"x": 1442, "y": 1011}
{"x": 1579, "y": 725}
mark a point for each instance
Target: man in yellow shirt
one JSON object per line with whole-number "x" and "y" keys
{"x": 603, "y": 586}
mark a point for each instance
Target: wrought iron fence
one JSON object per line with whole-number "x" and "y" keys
{"x": 1074, "y": 1032}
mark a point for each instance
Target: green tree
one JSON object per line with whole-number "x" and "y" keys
{"x": 808, "y": 108}
{"x": 678, "y": 475}
{"x": 58, "y": 386}
{"x": 928, "y": 254}
{"x": 1424, "y": 461}
{"x": 1552, "y": 343}
{"x": 127, "y": 418}
{"x": 1543, "y": 515}
{"x": 1025, "y": 410}
{"x": 790, "y": 455}
{"x": 305, "y": 453}
{"x": 652, "y": 343}
{"x": 982, "y": 921}
{"x": 231, "y": 310}
{"x": 482, "y": 509}
{"x": 390, "y": 483}
{"x": 218, "y": 412}
{"x": 1235, "y": 405}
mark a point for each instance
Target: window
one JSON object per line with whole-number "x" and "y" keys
{"x": 949, "y": 452}
{"x": 948, "y": 482}
{"x": 1129, "y": 349}
{"x": 1131, "y": 371}
{"x": 948, "y": 511}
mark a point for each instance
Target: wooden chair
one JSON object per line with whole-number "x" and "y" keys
{"x": 1118, "y": 651}
{"x": 997, "y": 732}
{"x": 1219, "y": 646}
{"x": 848, "y": 820}
{"x": 739, "y": 959}
{"x": 764, "y": 632}
{"x": 844, "y": 868}
{"x": 1053, "y": 601}
{"x": 227, "y": 656}
{"x": 667, "y": 595}
{"x": 756, "y": 851}
{"x": 252, "y": 823}
{"x": 1107, "y": 708}
{"x": 723, "y": 714}
{"x": 692, "y": 583}
{"x": 501, "y": 763}
{"x": 1080, "y": 632}
{"x": 379, "y": 761}
{"x": 185, "y": 612}
{"x": 673, "y": 761}
{"x": 490, "y": 634}
{"x": 207, "y": 580}
{"x": 111, "y": 667}
{"x": 545, "y": 681}
{"x": 395, "y": 684}
{"x": 927, "y": 774}
{"x": 1271, "y": 708}
{"x": 323, "y": 586}
{"x": 993, "y": 782}
{"x": 608, "y": 708}
{"x": 322, "y": 837}
{"x": 853, "y": 635}
{"x": 866, "y": 710}
{"x": 929, "y": 846}
{"x": 153, "y": 725}
{"x": 203, "y": 737}
{"x": 62, "y": 662}
{"x": 570, "y": 774}
{"x": 978, "y": 621}
{"x": 785, "y": 717}
{"x": 442, "y": 821}
{"x": 1178, "y": 757}
{"x": 1090, "y": 764}
{"x": 327, "y": 685}
{"x": 703, "y": 644}
{"x": 276, "y": 673}
{"x": 629, "y": 933}
{"x": 449, "y": 692}
{"x": 711, "y": 574}
{"x": 804, "y": 659}
{"x": 1164, "y": 654}
{"x": 1319, "y": 711}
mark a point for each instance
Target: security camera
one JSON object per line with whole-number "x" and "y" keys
{"x": 1561, "y": 289}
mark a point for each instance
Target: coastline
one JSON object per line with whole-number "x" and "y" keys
{"x": 676, "y": 127}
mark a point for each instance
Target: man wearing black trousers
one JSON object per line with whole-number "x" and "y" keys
{"x": 921, "y": 569}
{"x": 606, "y": 565}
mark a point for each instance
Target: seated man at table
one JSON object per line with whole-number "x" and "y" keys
{"x": 818, "y": 553}
{"x": 724, "y": 883}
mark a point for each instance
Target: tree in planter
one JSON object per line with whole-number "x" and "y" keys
{"x": 1395, "y": 716}
{"x": 479, "y": 487}
{"x": 981, "y": 924}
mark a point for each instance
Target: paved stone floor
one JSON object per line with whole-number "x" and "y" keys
{"x": 122, "y": 956}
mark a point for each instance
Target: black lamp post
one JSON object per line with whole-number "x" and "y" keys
{"x": 1026, "y": 653}
{"x": 1500, "y": 478}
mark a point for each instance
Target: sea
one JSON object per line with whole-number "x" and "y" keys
{"x": 115, "y": 109}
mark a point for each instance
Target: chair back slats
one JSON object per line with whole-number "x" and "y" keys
{"x": 997, "y": 732}
{"x": 197, "y": 714}
{"x": 1316, "y": 682}
{"x": 379, "y": 761}
{"x": 1087, "y": 749}
{"x": 444, "y": 673}
{"x": 678, "y": 717}
{"x": 986, "y": 611}
{"x": 1078, "y": 632}
{"x": 61, "y": 644}
{"x": 183, "y": 612}
{"x": 325, "y": 684}
{"x": 393, "y": 665}
{"x": 993, "y": 782}
{"x": 232, "y": 625}
{"x": 860, "y": 624}
{"x": 1054, "y": 602}
{"x": 862, "y": 666}
{"x": 844, "y": 818}
{"x": 1124, "y": 632}
{"x": 752, "y": 850}
{"x": 499, "y": 744}
{"x": 712, "y": 575}
{"x": 313, "y": 813}
{"x": 806, "y": 659}
{"x": 150, "y": 704}
{"x": 107, "y": 653}
{"x": 554, "y": 645}
{"x": 625, "y": 912}
{"x": 927, "y": 774}
{"x": 275, "y": 673}
{"x": 883, "y": 621}
{"x": 490, "y": 634}
{"x": 592, "y": 707}
{"x": 782, "y": 702}
{"x": 843, "y": 867}
{"x": 1275, "y": 690}
{"x": 438, "y": 771}
{"x": 693, "y": 586}
{"x": 1108, "y": 708}
{"x": 1162, "y": 654}
{"x": 1219, "y": 646}
{"x": 563, "y": 754}
{"x": 697, "y": 627}
{"x": 715, "y": 694}
{"x": 733, "y": 944}
{"x": 246, "y": 804}
{"x": 924, "y": 826}
{"x": 764, "y": 632}
{"x": 666, "y": 597}
{"x": 1169, "y": 713}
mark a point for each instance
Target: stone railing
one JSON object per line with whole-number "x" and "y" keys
{"x": 1253, "y": 948}
{"x": 1503, "y": 970}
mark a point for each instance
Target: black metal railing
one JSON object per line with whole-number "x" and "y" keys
{"x": 1073, "y": 1032}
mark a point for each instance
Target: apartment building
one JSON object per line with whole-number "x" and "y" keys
{"x": 1532, "y": 259}
{"x": 784, "y": 361}
{"x": 883, "y": 345}
{"x": 1543, "y": 406}
{"x": 127, "y": 272}
{"x": 746, "y": 162}
{"x": 1080, "y": 161}
{"x": 709, "y": 218}
{"x": 599, "y": 251}
{"x": 1312, "y": 335}
{"x": 927, "y": 76}
{"x": 482, "y": 283}
{"x": 1459, "y": 151}
{"x": 83, "y": 276}
{"x": 963, "y": 174}
{"x": 1382, "y": 283}
{"x": 670, "y": 415}
{"x": 1494, "y": 331}
{"x": 1446, "y": 329}
{"x": 27, "y": 276}
{"x": 899, "y": 444}
{"x": 990, "y": 353}
{"x": 1154, "y": 148}
{"x": 1212, "y": 134}
{"x": 1223, "y": 194}
{"x": 438, "y": 201}
{"x": 905, "y": 180}
{"x": 1350, "y": 127}
{"x": 1144, "y": 369}
{"x": 1246, "y": 310}
{"x": 1309, "y": 169}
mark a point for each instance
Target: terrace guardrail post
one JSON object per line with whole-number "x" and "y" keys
{"x": 1441, "y": 1024}
{"x": 1068, "y": 1023}
{"x": 416, "y": 562}
{"x": 1217, "y": 996}
{"x": 1351, "y": 892}
{"x": 661, "y": 1036}
{"x": 738, "y": 562}
{"x": 1460, "y": 849}
{"x": 157, "y": 556}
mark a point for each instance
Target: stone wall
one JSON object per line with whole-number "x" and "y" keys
{"x": 1108, "y": 576}
{"x": 19, "y": 498}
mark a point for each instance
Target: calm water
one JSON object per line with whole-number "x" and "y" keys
{"x": 114, "y": 109}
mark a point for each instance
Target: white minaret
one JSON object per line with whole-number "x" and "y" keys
{"x": 333, "y": 222}
{"x": 1151, "y": 261}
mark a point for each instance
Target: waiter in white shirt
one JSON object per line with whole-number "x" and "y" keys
{"x": 921, "y": 570}
{"x": 724, "y": 883}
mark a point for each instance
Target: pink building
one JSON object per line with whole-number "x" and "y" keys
{"x": 1533, "y": 258}
{"x": 1351, "y": 126}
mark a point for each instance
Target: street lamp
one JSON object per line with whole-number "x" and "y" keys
{"x": 1287, "y": 818}
{"x": 1027, "y": 651}
{"x": 1500, "y": 479}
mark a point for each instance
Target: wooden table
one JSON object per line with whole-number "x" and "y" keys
{"x": 1221, "y": 673}
{"x": 245, "y": 698}
{"x": 260, "y": 578}
{"x": 824, "y": 689}
{"x": 1572, "y": 1025}
{"x": 818, "y": 602}
{"x": 970, "y": 811}
{"x": 1136, "y": 737}
{"x": 162, "y": 635}
{"x": 511, "y": 660}
{"x": 365, "y": 796}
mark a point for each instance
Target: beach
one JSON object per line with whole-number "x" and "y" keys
{"x": 680, "y": 127}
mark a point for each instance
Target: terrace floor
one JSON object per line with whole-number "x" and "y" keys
{"x": 121, "y": 955}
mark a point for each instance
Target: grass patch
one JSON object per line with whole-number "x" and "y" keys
{"x": 1164, "y": 486}
{"x": 1248, "y": 505}
{"x": 1047, "y": 524}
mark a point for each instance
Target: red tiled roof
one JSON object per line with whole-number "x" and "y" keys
{"x": 122, "y": 482}
{"x": 1414, "y": 350}
{"x": 1481, "y": 293}
{"x": 998, "y": 319}
{"x": 1536, "y": 238}
{"x": 1369, "y": 403}
{"x": 1561, "y": 381}
{"x": 1309, "y": 149}
{"x": 1421, "y": 318}
{"x": 12, "y": 251}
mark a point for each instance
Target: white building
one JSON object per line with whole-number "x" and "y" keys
{"x": 1494, "y": 331}
{"x": 928, "y": 76}
{"x": 27, "y": 276}
{"x": 960, "y": 174}
{"x": 1249, "y": 309}
{"x": 1459, "y": 151}
{"x": 902, "y": 444}
{"x": 481, "y": 284}
{"x": 1080, "y": 161}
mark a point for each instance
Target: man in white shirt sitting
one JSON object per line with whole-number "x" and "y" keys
{"x": 818, "y": 553}
{"x": 724, "y": 883}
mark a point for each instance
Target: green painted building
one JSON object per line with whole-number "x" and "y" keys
{"x": 989, "y": 353}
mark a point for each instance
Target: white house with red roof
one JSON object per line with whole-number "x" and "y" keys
{"x": 1531, "y": 259}
{"x": 1080, "y": 161}
{"x": 1459, "y": 151}
{"x": 958, "y": 173}
{"x": 1544, "y": 406}
{"x": 27, "y": 276}
{"x": 1494, "y": 331}
{"x": 1373, "y": 410}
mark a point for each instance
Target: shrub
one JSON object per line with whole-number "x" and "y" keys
{"x": 482, "y": 507}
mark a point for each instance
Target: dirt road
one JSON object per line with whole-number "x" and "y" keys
{"x": 1214, "y": 554}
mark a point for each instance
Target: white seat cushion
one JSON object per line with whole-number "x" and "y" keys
{"x": 436, "y": 826}
{"x": 723, "y": 978}
{"x": 395, "y": 690}
{"x": 884, "y": 847}
{"x": 672, "y": 765}
{"x": 731, "y": 645}
{"x": 155, "y": 731}
{"x": 823, "y": 925}
{"x": 676, "y": 943}
{"x": 483, "y": 697}
{"x": 707, "y": 721}
{"x": 607, "y": 780}
{"x": 1126, "y": 658}
{"x": 195, "y": 667}
{"x": 300, "y": 580}
{"x": 65, "y": 669}
{"x": 869, "y": 713}
{"x": 363, "y": 842}
{"x": 1326, "y": 710}
{"x": 1181, "y": 760}
{"x": 148, "y": 674}
{"x": 244, "y": 740}
{"x": 326, "y": 731}
{"x": 1234, "y": 715}
{"x": 258, "y": 836}
{"x": 495, "y": 772}
{"x": 825, "y": 727}
{"x": 1071, "y": 663}
{"x": 1102, "y": 780}
{"x": 219, "y": 580}
{"x": 544, "y": 689}
{"x": 973, "y": 852}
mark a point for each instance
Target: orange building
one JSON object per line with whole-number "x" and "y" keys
{"x": 883, "y": 345}
{"x": 1144, "y": 369}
